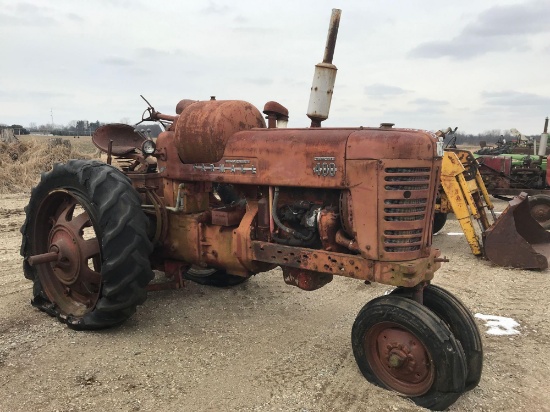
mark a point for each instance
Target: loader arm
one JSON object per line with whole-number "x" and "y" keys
{"x": 514, "y": 239}
{"x": 464, "y": 192}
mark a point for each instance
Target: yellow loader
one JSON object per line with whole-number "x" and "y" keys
{"x": 513, "y": 239}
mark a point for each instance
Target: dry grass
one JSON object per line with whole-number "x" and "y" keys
{"x": 22, "y": 163}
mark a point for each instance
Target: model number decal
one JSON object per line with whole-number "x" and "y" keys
{"x": 324, "y": 166}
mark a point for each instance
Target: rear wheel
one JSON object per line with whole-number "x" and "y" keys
{"x": 400, "y": 345}
{"x": 85, "y": 245}
{"x": 461, "y": 323}
{"x": 540, "y": 209}
{"x": 213, "y": 277}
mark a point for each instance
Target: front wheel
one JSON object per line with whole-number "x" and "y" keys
{"x": 461, "y": 323}
{"x": 85, "y": 245}
{"x": 401, "y": 345}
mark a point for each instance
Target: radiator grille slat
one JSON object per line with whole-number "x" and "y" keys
{"x": 400, "y": 213}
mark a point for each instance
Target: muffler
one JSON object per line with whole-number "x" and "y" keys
{"x": 516, "y": 239}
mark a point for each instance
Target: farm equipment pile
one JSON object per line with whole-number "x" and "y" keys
{"x": 220, "y": 197}
{"x": 511, "y": 173}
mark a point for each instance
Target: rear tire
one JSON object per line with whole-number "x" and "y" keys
{"x": 401, "y": 345}
{"x": 90, "y": 215}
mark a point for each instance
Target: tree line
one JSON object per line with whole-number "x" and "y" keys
{"x": 488, "y": 136}
{"x": 86, "y": 128}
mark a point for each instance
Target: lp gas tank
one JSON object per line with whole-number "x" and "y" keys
{"x": 203, "y": 128}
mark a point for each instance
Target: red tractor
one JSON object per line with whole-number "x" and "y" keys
{"x": 220, "y": 197}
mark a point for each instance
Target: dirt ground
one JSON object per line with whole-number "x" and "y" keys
{"x": 260, "y": 346}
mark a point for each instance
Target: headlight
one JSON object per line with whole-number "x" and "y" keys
{"x": 148, "y": 147}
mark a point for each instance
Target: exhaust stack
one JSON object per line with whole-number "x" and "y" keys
{"x": 324, "y": 77}
{"x": 543, "y": 139}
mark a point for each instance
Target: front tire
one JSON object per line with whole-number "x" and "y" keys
{"x": 401, "y": 345}
{"x": 89, "y": 217}
{"x": 461, "y": 323}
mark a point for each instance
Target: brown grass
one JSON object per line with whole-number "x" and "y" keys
{"x": 22, "y": 163}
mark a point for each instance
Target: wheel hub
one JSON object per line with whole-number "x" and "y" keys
{"x": 399, "y": 359}
{"x": 67, "y": 266}
{"x": 541, "y": 212}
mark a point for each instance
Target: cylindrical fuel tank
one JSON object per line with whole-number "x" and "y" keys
{"x": 203, "y": 128}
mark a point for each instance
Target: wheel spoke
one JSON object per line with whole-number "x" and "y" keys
{"x": 90, "y": 276}
{"x": 66, "y": 210}
{"x": 87, "y": 285}
{"x": 78, "y": 223}
{"x": 89, "y": 248}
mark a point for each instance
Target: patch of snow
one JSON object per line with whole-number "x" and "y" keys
{"x": 499, "y": 325}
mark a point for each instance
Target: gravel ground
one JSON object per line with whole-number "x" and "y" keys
{"x": 260, "y": 346}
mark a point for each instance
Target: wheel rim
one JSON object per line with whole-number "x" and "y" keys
{"x": 399, "y": 359}
{"x": 72, "y": 279}
{"x": 541, "y": 212}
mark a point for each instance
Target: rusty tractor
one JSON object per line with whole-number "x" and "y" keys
{"x": 221, "y": 196}
{"x": 510, "y": 174}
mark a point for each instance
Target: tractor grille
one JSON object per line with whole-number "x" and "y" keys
{"x": 405, "y": 207}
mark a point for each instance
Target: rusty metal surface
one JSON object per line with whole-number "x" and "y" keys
{"x": 270, "y": 157}
{"x": 516, "y": 239}
{"x": 394, "y": 143}
{"x": 125, "y": 140}
{"x": 203, "y": 128}
{"x": 305, "y": 279}
{"x": 227, "y": 215}
{"x": 399, "y": 359}
{"x": 183, "y": 104}
{"x": 275, "y": 111}
{"x": 332, "y": 35}
{"x": 313, "y": 260}
{"x": 328, "y": 226}
{"x": 276, "y": 108}
{"x": 406, "y": 273}
{"x": 494, "y": 170}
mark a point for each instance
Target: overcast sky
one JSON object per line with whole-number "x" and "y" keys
{"x": 429, "y": 64}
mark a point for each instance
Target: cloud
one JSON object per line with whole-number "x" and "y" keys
{"x": 516, "y": 19}
{"x": 500, "y": 28}
{"x": 384, "y": 91}
{"x": 117, "y": 61}
{"x": 125, "y": 4}
{"x": 428, "y": 102}
{"x": 26, "y": 14}
{"x": 215, "y": 8}
{"x": 240, "y": 19}
{"x": 75, "y": 17}
{"x": 260, "y": 81}
{"x": 22, "y": 95}
{"x": 154, "y": 53}
{"x": 515, "y": 99}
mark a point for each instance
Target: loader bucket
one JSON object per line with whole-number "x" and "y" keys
{"x": 516, "y": 239}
